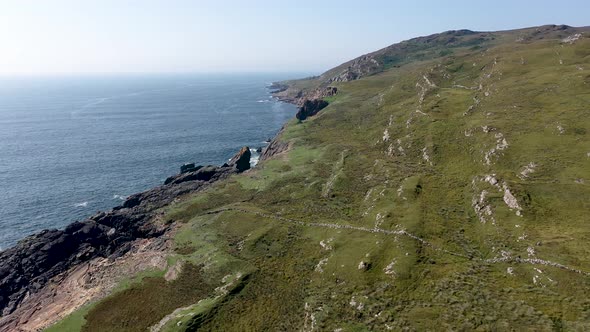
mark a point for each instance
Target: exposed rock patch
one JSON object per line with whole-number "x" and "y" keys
{"x": 389, "y": 269}
{"x": 274, "y": 147}
{"x": 480, "y": 202}
{"x": 174, "y": 271}
{"x": 320, "y": 266}
{"x": 364, "y": 266}
{"x": 357, "y": 68}
{"x": 527, "y": 170}
{"x": 571, "y": 39}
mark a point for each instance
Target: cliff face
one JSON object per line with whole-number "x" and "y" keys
{"x": 310, "y": 108}
{"x": 444, "y": 188}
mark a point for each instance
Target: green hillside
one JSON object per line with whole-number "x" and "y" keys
{"x": 445, "y": 187}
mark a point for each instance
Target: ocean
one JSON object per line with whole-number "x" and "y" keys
{"x": 72, "y": 146}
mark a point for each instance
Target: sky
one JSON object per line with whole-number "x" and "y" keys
{"x": 70, "y": 37}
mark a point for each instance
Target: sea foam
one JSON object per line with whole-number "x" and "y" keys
{"x": 254, "y": 158}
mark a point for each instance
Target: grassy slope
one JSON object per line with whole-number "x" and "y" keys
{"x": 361, "y": 163}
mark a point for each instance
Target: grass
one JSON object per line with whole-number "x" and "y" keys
{"x": 72, "y": 322}
{"x": 142, "y": 305}
{"x": 341, "y": 171}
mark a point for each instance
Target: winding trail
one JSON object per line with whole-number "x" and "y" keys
{"x": 515, "y": 260}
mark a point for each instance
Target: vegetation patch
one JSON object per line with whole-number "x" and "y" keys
{"x": 143, "y": 305}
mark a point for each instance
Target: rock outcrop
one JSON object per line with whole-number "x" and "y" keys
{"x": 274, "y": 147}
{"x": 35, "y": 260}
{"x": 277, "y": 87}
{"x": 203, "y": 173}
{"x": 310, "y": 108}
{"x": 357, "y": 68}
{"x": 298, "y": 97}
{"x": 321, "y": 93}
{"x": 241, "y": 161}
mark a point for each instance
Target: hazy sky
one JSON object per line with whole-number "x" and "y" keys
{"x": 113, "y": 36}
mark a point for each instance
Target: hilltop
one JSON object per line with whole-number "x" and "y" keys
{"x": 440, "y": 183}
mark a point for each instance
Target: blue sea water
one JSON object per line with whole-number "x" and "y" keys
{"x": 72, "y": 146}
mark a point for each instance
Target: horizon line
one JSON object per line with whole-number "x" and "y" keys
{"x": 155, "y": 73}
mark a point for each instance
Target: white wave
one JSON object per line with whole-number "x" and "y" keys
{"x": 263, "y": 101}
{"x": 254, "y": 157}
{"x": 121, "y": 197}
{"x": 83, "y": 204}
{"x": 93, "y": 103}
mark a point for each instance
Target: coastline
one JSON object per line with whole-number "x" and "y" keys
{"x": 37, "y": 260}
{"x": 392, "y": 209}
{"x": 127, "y": 239}
{"x": 107, "y": 138}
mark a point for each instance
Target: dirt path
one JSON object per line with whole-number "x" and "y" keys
{"x": 532, "y": 261}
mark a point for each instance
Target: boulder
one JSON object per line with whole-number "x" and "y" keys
{"x": 364, "y": 266}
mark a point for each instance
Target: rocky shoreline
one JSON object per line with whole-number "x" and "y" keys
{"x": 292, "y": 95}
{"x": 41, "y": 259}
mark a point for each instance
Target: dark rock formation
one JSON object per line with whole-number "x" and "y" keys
{"x": 310, "y": 108}
{"x": 203, "y": 173}
{"x": 242, "y": 159}
{"x": 27, "y": 267}
{"x": 330, "y": 91}
{"x": 238, "y": 163}
{"x": 35, "y": 260}
{"x": 190, "y": 167}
